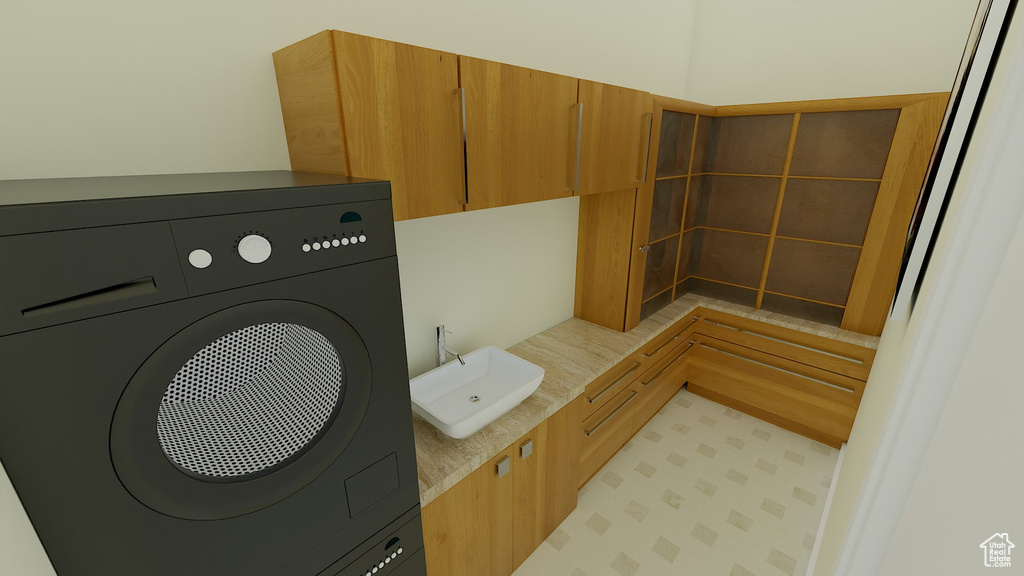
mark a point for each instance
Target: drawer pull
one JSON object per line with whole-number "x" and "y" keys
{"x": 526, "y": 449}
{"x": 610, "y": 416}
{"x": 751, "y": 360}
{"x": 670, "y": 364}
{"x": 674, "y": 338}
{"x": 614, "y": 384}
{"x": 465, "y": 163}
{"x": 787, "y": 342}
{"x": 504, "y": 465}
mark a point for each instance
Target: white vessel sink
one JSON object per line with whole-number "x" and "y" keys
{"x": 459, "y": 400}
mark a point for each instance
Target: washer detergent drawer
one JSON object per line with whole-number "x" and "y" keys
{"x": 56, "y": 277}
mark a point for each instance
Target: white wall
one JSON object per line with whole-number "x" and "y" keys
{"x": 112, "y": 87}
{"x": 968, "y": 486}
{"x": 749, "y": 51}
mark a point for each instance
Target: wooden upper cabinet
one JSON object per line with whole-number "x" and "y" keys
{"x": 372, "y": 108}
{"x": 521, "y": 133}
{"x": 615, "y": 141}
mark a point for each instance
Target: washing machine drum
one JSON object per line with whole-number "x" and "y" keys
{"x": 240, "y": 410}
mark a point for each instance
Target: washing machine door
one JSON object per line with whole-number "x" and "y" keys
{"x": 240, "y": 409}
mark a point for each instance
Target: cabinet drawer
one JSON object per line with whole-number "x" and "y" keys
{"x": 608, "y": 385}
{"x": 831, "y": 355}
{"x": 807, "y": 400}
{"x": 665, "y": 343}
{"x": 606, "y": 431}
{"x": 660, "y": 382}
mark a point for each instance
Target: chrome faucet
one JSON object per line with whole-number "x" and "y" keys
{"x": 442, "y": 349}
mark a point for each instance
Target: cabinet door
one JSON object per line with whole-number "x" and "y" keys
{"x": 615, "y": 139}
{"x": 547, "y": 469}
{"x": 402, "y": 120}
{"x": 468, "y": 530}
{"x": 520, "y": 133}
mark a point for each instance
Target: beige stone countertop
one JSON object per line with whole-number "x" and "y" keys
{"x": 572, "y": 354}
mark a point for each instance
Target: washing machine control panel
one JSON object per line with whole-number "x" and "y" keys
{"x": 222, "y": 252}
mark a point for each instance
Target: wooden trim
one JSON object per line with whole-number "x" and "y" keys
{"x": 830, "y": 105}
{"x": 686, "y": 202}
{"x": 813, "y": 241}
{"x": 677, "y": 105}
{"x": 874, "y": 283}
{"x": 778, "y": 210}
{"x": 806, "y": 299}
{"x": 723, "y": 282}
{"x": 726, "y": 230}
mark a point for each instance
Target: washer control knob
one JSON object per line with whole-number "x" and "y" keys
{"x": 200, "y": 258}
{"x": 254, "y": 249}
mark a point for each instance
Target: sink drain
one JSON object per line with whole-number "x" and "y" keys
{"x": 474, "y": 398}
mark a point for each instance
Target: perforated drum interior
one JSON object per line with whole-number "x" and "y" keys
{"x": 250, "y": 400}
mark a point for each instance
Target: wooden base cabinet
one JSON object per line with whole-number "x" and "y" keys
{"x": 804, "y": 383}
{"x": 492, "y": 520}
{"x": 621, "y": 401}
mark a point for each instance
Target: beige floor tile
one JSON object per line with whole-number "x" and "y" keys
{"x": 703, "y": 490}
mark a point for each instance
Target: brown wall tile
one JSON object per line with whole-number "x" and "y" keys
{"x": 822, "y": 272}
{"x": 831, "y": 315}
{"x": 844, "y": 144}
{"x": 661, "y": 266}
{"x": 667, "y": 208}
{"x": 828, "y": 210}
{"x": 743, "y": 203}
{"x": 729, "y": 257}
{"x": 747, "y": 144}
{"x": 674, "y": 143}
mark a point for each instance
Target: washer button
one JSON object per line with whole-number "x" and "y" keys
{"x": 200, "y": 258}
{"x": 316, "y": 245}
{"x": 335, "y": 243}
{"x": 354, "y": 239}
{"x": 362, "y": 237}
{"x": 344, "y": 241}
{"x": 306, "y": 247}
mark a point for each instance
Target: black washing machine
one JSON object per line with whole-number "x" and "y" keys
{"x": 206, "y": 374}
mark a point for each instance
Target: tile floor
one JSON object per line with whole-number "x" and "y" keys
{"x": 702, "y": 490}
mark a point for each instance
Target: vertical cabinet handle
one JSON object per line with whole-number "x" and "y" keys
{"x": 504, "y": 465}
{"x": 526, "y": 449}
{"x": 465, "y": 160}
{"x": 646, "y": 248}
{"x": 579, "y": 145}
{"x": 645, "y": 156}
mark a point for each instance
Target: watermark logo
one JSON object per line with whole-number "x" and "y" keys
{"x": 997, "y": 550}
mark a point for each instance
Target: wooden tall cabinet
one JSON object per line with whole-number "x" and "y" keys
{"x": 373, "y": 108}
{"x": 493, "y": 519}
{"x": 520, "y": 133}
{"x": 800, "y": 208}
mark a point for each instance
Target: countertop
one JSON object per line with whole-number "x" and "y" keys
{"x": 572, "y": 354}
